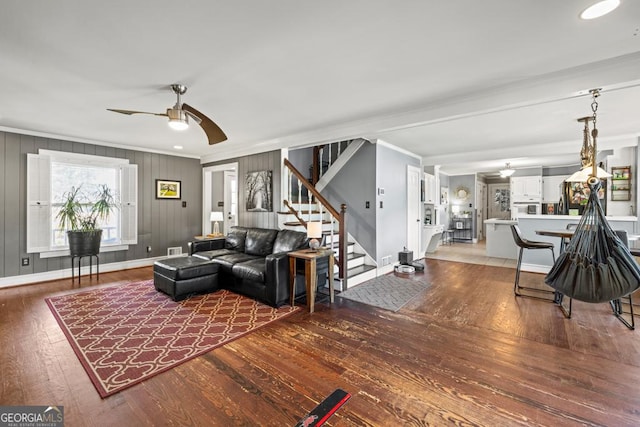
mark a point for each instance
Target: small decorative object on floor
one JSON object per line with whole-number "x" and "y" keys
{"x": 406, "y": 269}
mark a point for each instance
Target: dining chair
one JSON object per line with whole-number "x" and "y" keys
{"x": 565, "y": 240}
{"x": 523, "y": 244}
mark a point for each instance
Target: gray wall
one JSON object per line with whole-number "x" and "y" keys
{"x": 255, "y": 163}
{"x": 161, "y": 223}
{"x": 391, "y": 166}
{"x": 355, "y": 185}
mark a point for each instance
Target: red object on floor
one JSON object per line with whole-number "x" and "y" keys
{"x": 125, "y": 334}
{"x": 321, "y": 413}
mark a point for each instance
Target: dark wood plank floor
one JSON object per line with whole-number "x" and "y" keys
{"x": 466, "y": 352}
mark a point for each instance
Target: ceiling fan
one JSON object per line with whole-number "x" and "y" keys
{"x": 179, "y": 117}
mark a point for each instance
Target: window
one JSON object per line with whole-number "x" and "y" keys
{"x": 51, "y": 174}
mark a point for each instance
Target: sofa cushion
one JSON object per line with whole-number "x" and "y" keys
{"x": 235, "y": 240}
{"x": 289, "y": 240}
{"x": 213, "y": 254}
{"x": 181, "y": 268}
{"x": 260, "y": 241}
{"x": 226, "y": 262}
{"x": 250, "y": 270}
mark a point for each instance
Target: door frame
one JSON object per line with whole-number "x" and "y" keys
{"x": 227, "y": 200}
{"x": 414, "y": 224}
{"x": 207, "y": 201}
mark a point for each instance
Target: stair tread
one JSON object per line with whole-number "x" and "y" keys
{"x": 294, "y": 223}
{"x": 335, "y": 245}
{"x": 357, "y": 270}
{"x": 304, "y": 212}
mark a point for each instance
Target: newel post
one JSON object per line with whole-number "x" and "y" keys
{"x": 342, "y": 249}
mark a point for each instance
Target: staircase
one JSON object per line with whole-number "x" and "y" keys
{"x": 305, "y": 204}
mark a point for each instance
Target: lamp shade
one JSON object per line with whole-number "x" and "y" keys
{"x": 216, "y": 216}
{"x": 583, "y": 174}
{"x": 314, "y": 230}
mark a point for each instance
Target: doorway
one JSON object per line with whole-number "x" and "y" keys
{"x": 498, "y": 205}
{"x": 230, "y": 199}
{"x": 220, "y": 193}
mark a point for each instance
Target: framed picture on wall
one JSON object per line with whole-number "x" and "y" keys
{"x": 259, "y": 191}
{"x": 166, "y": 189}
{"x": 444, "y": 195}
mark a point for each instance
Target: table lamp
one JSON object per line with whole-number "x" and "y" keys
{"x": 215, "y": 217}
{"x": 314, "y": 232}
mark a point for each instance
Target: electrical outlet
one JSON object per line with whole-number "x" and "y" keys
{"x": 184, "y": 204}
{"x": 25, "y": 262}
{"x": 366, "y": 204}
{"x": 149, "y": 249}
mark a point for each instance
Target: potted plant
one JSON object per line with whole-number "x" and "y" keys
{"x": 80, "y": 218}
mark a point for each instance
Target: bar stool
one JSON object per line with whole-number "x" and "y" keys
{"x": 447, "y": 236}
{"x": 523, "y": 244}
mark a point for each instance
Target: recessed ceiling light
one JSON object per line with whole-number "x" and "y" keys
{"x": 599, "y": 9}
{"x": 178, "y": 147}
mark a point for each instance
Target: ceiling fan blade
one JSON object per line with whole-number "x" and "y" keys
{"x": 130, "y": 112}
{"x": 213, "y": 132}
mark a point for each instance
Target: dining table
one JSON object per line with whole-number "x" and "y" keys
{"x": 564, "y": 234}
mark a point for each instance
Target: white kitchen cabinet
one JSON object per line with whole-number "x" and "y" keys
{"x": 551, "y": 188}
{"x": 429, "y": 188}
{"x": 526, "y": 188}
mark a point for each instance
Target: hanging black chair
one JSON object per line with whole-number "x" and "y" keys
{"x": 596, "y": 265}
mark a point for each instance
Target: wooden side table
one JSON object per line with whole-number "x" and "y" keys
{"x": 310, "y": 258}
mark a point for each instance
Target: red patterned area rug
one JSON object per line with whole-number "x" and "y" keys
{"x": 126, "y": 334}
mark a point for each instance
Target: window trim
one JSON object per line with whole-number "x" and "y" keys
{"x": 40, "y": 205}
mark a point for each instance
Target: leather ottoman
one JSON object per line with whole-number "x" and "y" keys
{"x": 182, "y": 277}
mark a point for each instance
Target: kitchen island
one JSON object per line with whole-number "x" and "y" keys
{"x": 500, "y": 243}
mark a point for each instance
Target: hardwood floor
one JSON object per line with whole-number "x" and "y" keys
{"x": 466, "y": 352}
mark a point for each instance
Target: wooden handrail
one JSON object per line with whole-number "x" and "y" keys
{"x": 295, "y": 213}
{"x": 312, "y": 189}
{"x": 340, "y": 216}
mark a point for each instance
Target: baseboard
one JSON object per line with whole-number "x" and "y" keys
{"x": 386, "y": 269}
{"x": 535, "y": 268}
{"x": 26, "y": 279}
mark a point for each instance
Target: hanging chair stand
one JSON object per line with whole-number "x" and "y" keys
{"x": 596, "y": 266}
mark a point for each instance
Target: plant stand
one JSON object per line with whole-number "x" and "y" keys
{"x": 79, "y": 257}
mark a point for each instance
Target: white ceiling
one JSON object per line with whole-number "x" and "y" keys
{"x": 465, "y": 84}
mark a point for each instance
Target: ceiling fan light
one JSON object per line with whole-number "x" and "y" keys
{"x": 178, "y": 124}
{"x": 599, "y": 9}
{"x": 177, "y": 119}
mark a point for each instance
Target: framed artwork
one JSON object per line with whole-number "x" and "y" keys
{"x": 166, "y": 189}
{"x": 444, "y": 195}
{"x": 259, "y": 191}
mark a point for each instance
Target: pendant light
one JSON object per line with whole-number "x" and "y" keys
{"x": 507, "y": 171}
{"x": 589, "y": 150}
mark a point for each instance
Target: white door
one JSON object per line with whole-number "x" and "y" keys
{"x": 230, "y": 200}
{"x": 413, "y": 210}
